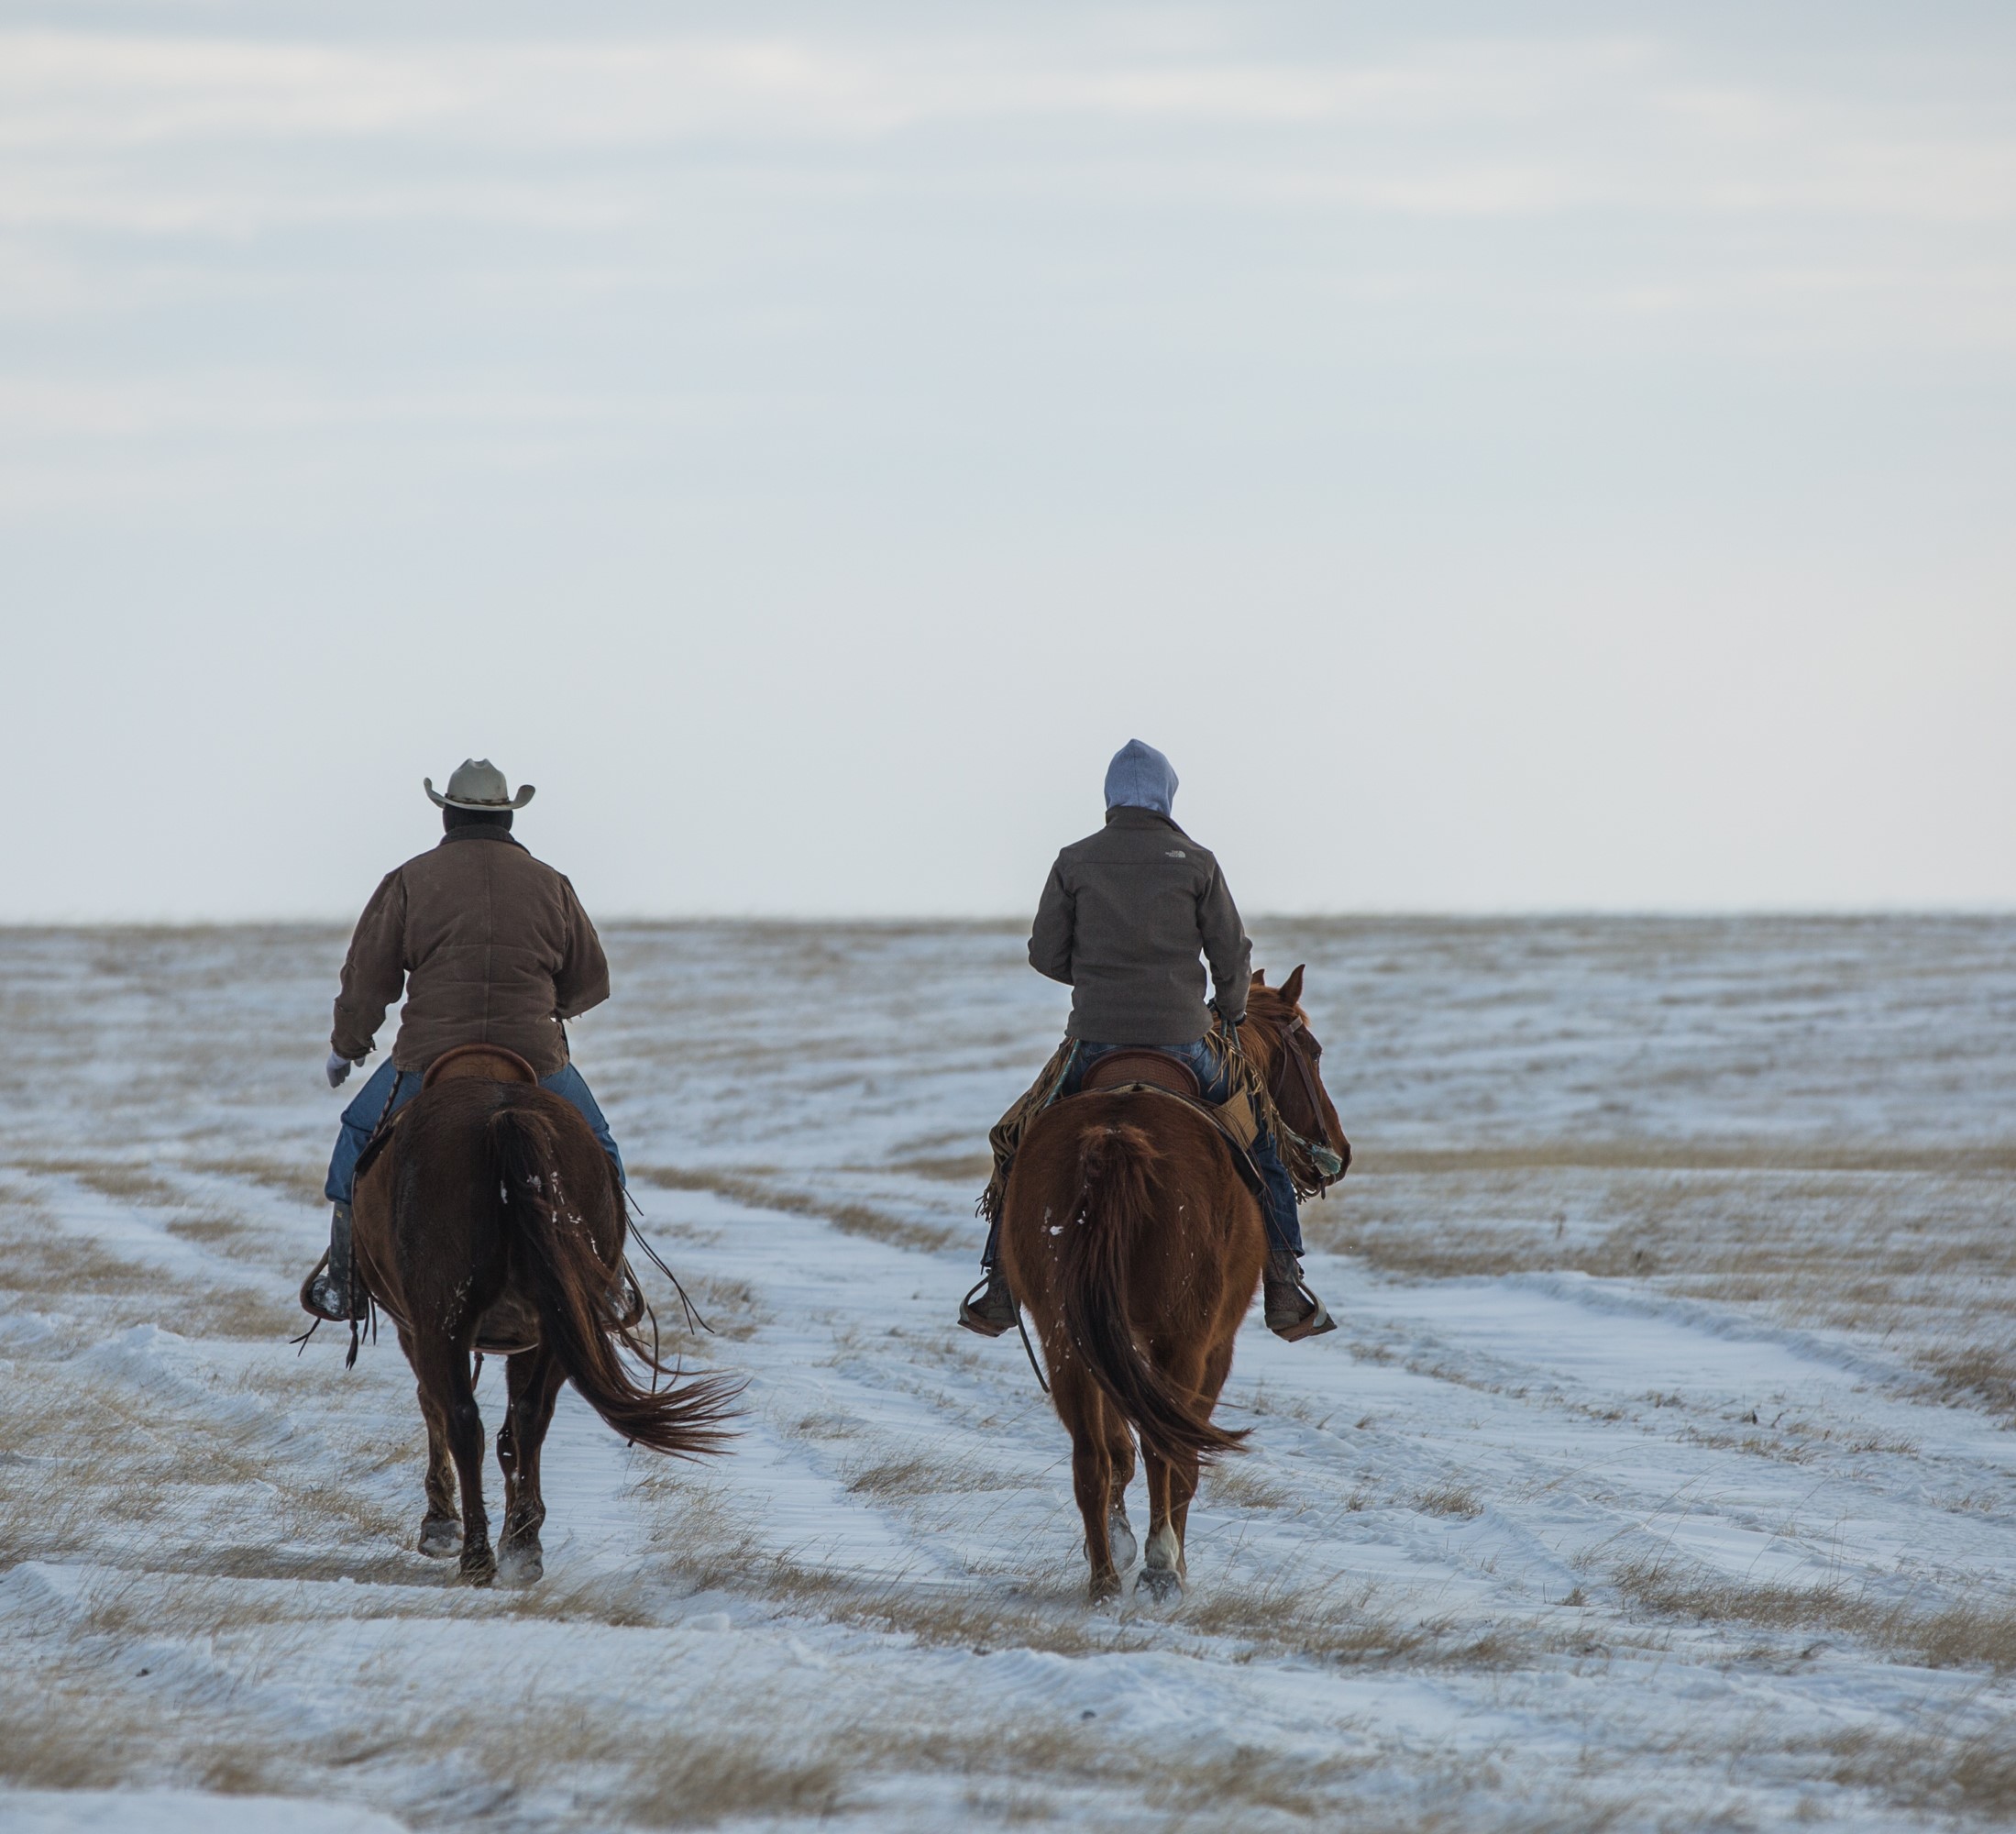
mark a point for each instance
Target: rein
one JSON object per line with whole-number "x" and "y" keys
{"x": 1325, "y": 1147}
{"x": 1029, "y": 1349}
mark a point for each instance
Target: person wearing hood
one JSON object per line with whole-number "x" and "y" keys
{"x": 1128, "y": 919}
{"x": 491, "y": 947}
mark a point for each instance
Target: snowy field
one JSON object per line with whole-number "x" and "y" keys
{"x": 1659, "y": 1476}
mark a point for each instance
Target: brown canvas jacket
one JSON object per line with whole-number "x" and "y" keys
{"x": 1123, "y": 921}
{"x": 492, "y": 948}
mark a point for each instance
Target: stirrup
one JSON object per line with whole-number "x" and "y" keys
{"x": 986, "y": 1323}
{"x": 1311, "y": 1323}
{"x": 318, "y": 1304}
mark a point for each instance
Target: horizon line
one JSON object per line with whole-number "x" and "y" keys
{"x": 972, "y": 920}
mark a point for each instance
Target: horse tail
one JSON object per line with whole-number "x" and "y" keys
{"x": 570, "y": 1287}
{"x": 1114, "y": 1220}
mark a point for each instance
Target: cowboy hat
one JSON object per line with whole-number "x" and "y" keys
{"x": 479, "y": 784}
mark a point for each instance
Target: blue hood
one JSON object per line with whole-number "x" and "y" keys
{"x": 1141, "y": 777}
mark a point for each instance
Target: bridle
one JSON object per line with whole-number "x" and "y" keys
{"x": 1292, "y": 1050}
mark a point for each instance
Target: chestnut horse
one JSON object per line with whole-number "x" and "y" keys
{"x": 1131, "y": 1237}
{"x": 486, "y": 1217}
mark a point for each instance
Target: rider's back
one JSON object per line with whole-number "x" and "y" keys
{"x": 1123, "y": 920}
{"x": 493, "y": 943}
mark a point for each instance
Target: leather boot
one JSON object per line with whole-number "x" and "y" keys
{"x": 989, "y": 1308}
{"x": 332, "y": 1291}
{"x": 1292, "y": 1311}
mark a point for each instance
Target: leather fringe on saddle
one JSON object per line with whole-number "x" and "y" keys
{"x": 1005, "y": 1135}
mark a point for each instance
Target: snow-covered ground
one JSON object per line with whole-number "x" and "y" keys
{"x": 1660, "y": 1474}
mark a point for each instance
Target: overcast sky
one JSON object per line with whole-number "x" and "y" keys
{"x": 1507, "y": 457}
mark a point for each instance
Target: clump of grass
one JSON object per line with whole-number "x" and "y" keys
{"x": 892, "y": 1479}
{"x": 1241, "y": 1487}
{"x": 73, "y": 1731}
{"x": 1969, "y": 1774}
{"x": 828, "y": 1426}
{"x": 732, "y": 1308}
{"x": 1981, "y": 1373}
{"x": 1450, "y": 1499}
{"x": 1959, "y": 1636}
{"x": 895, "y": 1478}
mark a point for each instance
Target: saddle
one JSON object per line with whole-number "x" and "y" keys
{"x": 465, "y": 1063}
{"x": 471, "y": 1063}
{"x": 1157, "y": 1069}
{"x": 1143, "y": 1069}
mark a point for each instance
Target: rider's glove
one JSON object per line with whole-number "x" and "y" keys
{"x": 336, "y": 1069}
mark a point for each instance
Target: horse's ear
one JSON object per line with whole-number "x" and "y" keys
{"x": 1291, "y": 988}
{"x": 1259, "y": 977}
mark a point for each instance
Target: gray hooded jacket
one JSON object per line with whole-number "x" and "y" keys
{"x": 1129, "y": 911}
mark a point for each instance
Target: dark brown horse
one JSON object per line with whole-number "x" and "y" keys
{"x": 1129, "y": 1235}
{"x": 488, "y": 1218}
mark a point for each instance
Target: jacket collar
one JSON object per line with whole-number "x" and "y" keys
{"x": 482, "y": 833}
{"x": 1124, "y": 815}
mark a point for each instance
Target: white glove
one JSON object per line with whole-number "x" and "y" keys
{"x": 336, "y": 1069}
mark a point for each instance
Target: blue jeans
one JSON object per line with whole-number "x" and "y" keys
{"x": 390, "y": 1089}
{"x": 1283, "y": 1226}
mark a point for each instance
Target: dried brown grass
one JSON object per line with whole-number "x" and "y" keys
{"x": 959, "y": 1168}
{"x": 853, "y": 1219}
{"x": 113, "y": 1178}
{"x": 77, "y": 1730}
{"x": 299, "y": 1179}
{"x": 1917, "y": 1245}
{"x": 1933, "y": 1771}
{"x": 1242, "y": 1486}
{"x": 1984, "y": 1374}
{"x": 896, "y": 1479}
{"x": 734, "y": 1310}
{"x": 1956, "y": 1636}
{"x": 1450, "y": 1499}
{"x": 1690, "y": 1155}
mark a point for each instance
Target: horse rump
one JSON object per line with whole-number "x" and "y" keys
{"x": 564, "y": 1277}
{"x": 1113, "y": 1223}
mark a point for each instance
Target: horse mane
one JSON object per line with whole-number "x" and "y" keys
{"x": 1267, "y": 1012}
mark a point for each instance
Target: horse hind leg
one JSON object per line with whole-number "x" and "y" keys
{"x": 1119, "y": 1451}
{"x": 534, "y": 1377}
{"x": 441, "y": 1527}
{"x": 1161, "y": 1572}
{"x": 1171, "y": 1486}
{"x": 1079, "y": 1407}
{"x": 444, "y": 1370}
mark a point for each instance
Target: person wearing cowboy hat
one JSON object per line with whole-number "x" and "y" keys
{"x": 491, "y": 947}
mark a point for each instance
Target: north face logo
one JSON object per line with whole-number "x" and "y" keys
{"x": 1175, "y": 853}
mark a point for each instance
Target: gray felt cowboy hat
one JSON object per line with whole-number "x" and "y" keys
{"x": 479, "y": 784}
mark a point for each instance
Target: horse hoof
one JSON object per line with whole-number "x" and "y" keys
{"x": 1105, "y": 1587}
{"x": 478, "y": 1567}
{"x": 524, "y": 1565}
{"x": 1161, "y": 1583}
{"x": 440, "y": 1537}
{"x": 1120, "y": 1535}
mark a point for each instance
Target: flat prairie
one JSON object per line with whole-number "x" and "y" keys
{"x": 1660, "y": 1474}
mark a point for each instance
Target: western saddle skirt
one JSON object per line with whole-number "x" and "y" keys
{"x": 1157, "y": 1069}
